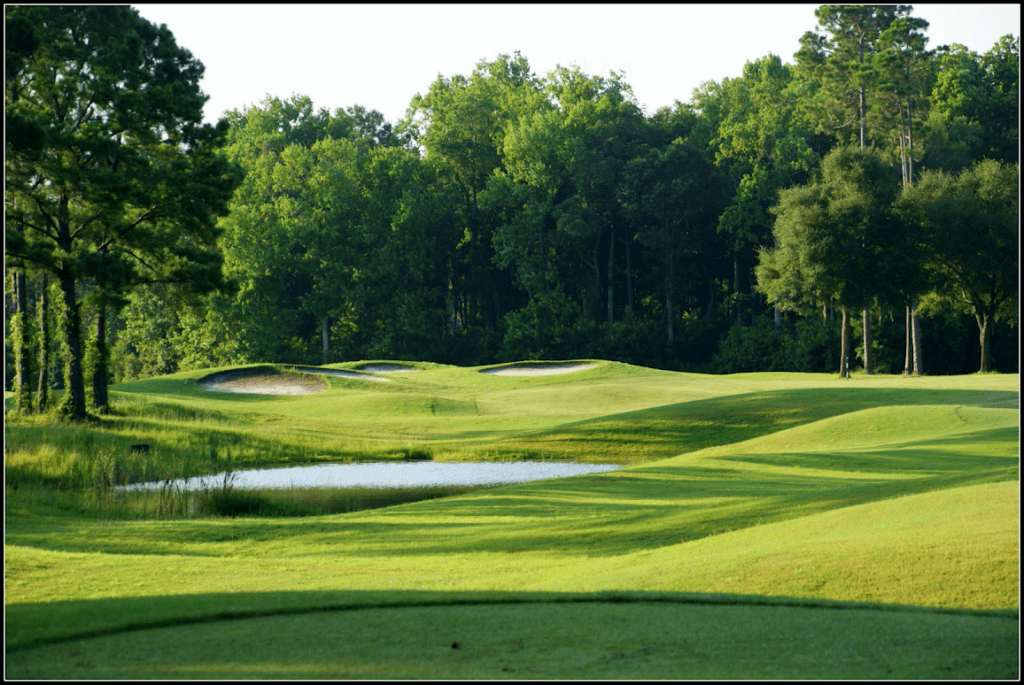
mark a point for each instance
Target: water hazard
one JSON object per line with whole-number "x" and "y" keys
{"x": 389, "y": 475}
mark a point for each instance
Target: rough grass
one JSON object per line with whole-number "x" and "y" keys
{"x": 769, "y": 506}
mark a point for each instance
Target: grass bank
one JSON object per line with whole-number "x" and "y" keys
{"x": 796, "y": 495}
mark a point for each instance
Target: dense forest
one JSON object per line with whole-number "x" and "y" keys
{"x": 855, "y": 209}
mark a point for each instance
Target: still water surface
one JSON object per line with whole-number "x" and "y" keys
{"x": 391, "y": 475}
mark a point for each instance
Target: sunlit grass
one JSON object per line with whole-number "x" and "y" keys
{"x": 899, "y": 491}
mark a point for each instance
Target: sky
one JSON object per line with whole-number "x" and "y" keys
{"x": 381, "y": 55}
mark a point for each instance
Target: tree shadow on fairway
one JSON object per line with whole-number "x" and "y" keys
{"x": 669, "y": 430}
{"x": 433, "y": 635}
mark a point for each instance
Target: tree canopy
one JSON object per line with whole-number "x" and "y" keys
{"x": 511, "y": 215}
{"x": 127, "y": 181}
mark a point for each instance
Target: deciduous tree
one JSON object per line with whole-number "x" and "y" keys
{"x": 128, "y": 175}
{"x": 970, "y": 225}
{"x": 835, "y": 239}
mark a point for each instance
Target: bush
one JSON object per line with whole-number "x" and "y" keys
{"x": 760, "y": 347}
{"x": 550, "y": 327}
{"x": 804, "y": 345}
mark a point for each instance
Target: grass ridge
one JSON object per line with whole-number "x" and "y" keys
{"x": 609, "y": 597}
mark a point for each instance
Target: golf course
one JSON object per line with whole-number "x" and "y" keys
{"x": 761, "y": 526}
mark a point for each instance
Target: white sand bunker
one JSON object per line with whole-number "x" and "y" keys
{"x": 341, "y": 373}
{"x": 386, "y": 368}
{"x": 266, "y": 380}
{"x": 263, "y": 381}
{"x": 538, "y": 368}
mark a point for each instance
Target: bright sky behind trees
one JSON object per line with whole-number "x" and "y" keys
{"x": 380, "y": 56}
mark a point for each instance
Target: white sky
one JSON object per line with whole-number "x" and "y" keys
{"x": 379, "y": 56}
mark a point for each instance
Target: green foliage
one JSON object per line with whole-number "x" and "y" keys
{"x": 804, "y": 345}
{"x": 126, "y": 186}
{"x": 969, "y": 229}
{"x": 548, "y": 327}
{"x": 981, "y": 93}
{"x": 513, "y": 216}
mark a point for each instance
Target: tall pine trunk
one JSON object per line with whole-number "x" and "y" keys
{"x": 868, "y": 365}
{"x": 629, "y": 277}
{"x": 19, "y": 333}
{"x": 325, "y": 338}
{"x": 915, "y": 326}
{"x": 100, "y": 381}
{"x": 907, "y": 359}
{"x": 669, "y": 277}
{"x": 43, "y": 388}
{"x": 844, "y": 345}
{"x": 611, "y": 267}
{"x": 736, "y": 287}
{"x": 73, "y": 403}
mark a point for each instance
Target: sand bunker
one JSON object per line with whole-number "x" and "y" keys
{"x": 340, "y": 373}
{"x": 386, "y": 368}
{"x": 263, "y": 381}
{"x": 538, "y": 368}
{"x": 306, "y": 380}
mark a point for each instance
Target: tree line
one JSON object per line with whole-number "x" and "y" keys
{"x": 510, "y": 216}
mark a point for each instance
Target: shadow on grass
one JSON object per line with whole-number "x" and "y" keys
{"x": 592, "y": 516}
{"x": 31, "y": 625}
{"x": 666, "y": 431}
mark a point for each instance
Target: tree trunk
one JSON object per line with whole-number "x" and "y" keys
{"x": 868, "y": 366}
{"x": 985, "y": 338}
{"x": 73, "y": 403}
{"x": 43, "y": 388}
{"x": 450, "y": 304}
{"x": 915, "y": 325}
{"x": 326, "y": 341}
{"x": 669, "y": 315}
{"x": 19, "y": 331}
{"x": 611, "y": 267}
{"x": 736, "y": 287}
{"x": 844, "y": 346}
{"x": 629, "y": 277}
{"x": 711, "y": 297}
{"x": 756, "y": 299}
{"x": 907, "y": 359}
{"x": 863, "y": 103}
{"x": 910, "y": 141}
{"x": 99, "y": 371}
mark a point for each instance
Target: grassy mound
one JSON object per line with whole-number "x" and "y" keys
{"x": 779, "y": 508}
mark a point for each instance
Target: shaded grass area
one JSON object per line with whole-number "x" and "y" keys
{"x": 666, "y": 431}
{"x": 318, "y": 501}
{"x": 901, "y": 491}
{"x": 533, "y": 636}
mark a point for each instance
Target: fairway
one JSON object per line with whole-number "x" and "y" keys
{"x": 765, "y": 526}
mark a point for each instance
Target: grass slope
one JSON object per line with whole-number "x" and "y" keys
{"x": 793, "y": 495}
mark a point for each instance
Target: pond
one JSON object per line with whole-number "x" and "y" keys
{"x": 389, "y": 475}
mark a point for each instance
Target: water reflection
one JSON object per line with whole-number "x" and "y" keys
{"x": 390, "y": 475}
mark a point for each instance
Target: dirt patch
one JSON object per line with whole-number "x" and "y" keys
{"x": 538, "y": 368}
